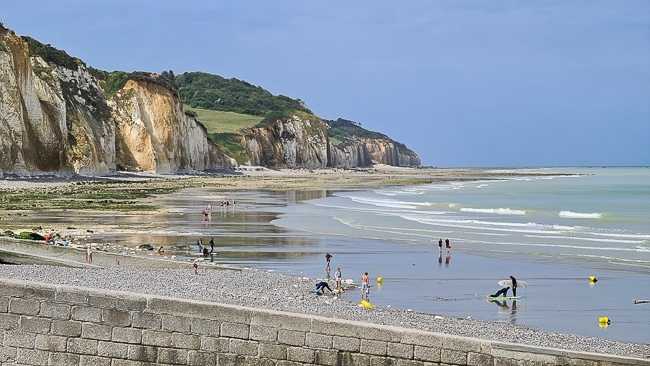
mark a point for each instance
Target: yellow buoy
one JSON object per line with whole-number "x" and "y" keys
{"x": 603, "y": 321}
{"x": 593, "y": 279}
{"x": 366, "y": 304}
{"x": 379, "y": 279}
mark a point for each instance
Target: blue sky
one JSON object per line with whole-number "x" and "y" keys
{"x": 462, "y": 83}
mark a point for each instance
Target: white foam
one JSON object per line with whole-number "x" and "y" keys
{"x": 498, "y": 211}
{"x": 580, "y": 215}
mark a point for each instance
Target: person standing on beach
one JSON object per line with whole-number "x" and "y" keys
{"x": 365, "y": 286}
{"x": 199, "y": 243}
{"x": 337, "y": 276}
{"x": 514, "y": 285}
{"x": 447, "y": 245}
{"x": 440, "y": 245}
{"x": 89, "y": 254}
{"x": 211, "y": 245}
{"x": 196, "y": 268}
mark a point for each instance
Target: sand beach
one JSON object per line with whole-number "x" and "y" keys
{"x": 284, "y": 276}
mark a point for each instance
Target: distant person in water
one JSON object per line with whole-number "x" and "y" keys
{"x": 447, "y": 244}
{"x": 440, "y": 245}
{"x": 321, "y": 286}
{"x": 503, "y": 292}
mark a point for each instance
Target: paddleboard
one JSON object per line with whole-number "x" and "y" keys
{"x": 508, "y": 283}
{"x": 501, "y": 298}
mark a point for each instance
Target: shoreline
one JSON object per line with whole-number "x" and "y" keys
{"x": 281, "y": 300}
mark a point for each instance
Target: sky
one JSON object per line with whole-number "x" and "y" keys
{"x": 498, "y": 83}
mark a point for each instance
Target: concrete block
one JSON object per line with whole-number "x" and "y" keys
{"x": 68, "y": 328}
{"x": 82, "y": 346}
{"x": 24, "y": 306}
{"x": 50, "y": 343}
{"x": 64, "y": 359}
{"x": 128, "y": 363}
{"x": 424, "y": 353}
{"x": 318, "y": 340}
{"x": 142, "y": 353}
{"x": 135, "y": 302}
{"x": 116, "y": 317}
{"x": 31, "y": 324}
{"x": 479, "y": 359}
{"x": 349, "y": 344}
{"x": 273, "y": 351}
{"x": 31, "y": 357}
{"x": 234, "y": 330}
{"x": 356, "y": 359}
{"x": 425, "y": 339}
{"x": 112, "y": 349}
{"x": 176, "y": 323}
{"x": 71, "y": 295}
{"x": 301, "y": 354}
{"x": 86, "y": 314}
{"x": 4, "y": 304}
{"x": 280, "y": 320}
{"x": 85, "y": 360}
{"x": 220, "y": 345}
{"x": 96, "y": 331}
{"x": 291, "y": 337}
{"x": 264, "y": 334}
{"x": 372, "y": 347}
{"x": 186, "y": 341}
{"x": 156, "y": 338}
{"x": 9, "y": 321}
{"x": 19, "y": 339}
{"x": 326, "y": 357}
{"x": 7, "y": 354}
{"x": 453, "y": 357}
{"x": 100, "y": 300}
{"x": 205, "y": 327}
{"x": 400, "y": 350}
{"x": 403, "y": 362}
{"x": 243, "y": 347}
{"x": 127, "y": 335}
{"x": 55, "y": 310}
{"x": 147, "y": 320}
{"x": 231, "y": 360}
{"x": 382, "y": 361}
{"x": 198, "y": 358}
{"x": 39, "y": 291}
{"x": 172, "y": 356}
{"x": 462, "y": 344}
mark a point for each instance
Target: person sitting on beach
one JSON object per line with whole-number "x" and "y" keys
{"x": 503, "y": 292}
{"x": 321, "y": 286}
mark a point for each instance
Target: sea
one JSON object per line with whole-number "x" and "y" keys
{"x": 578, "y": 237}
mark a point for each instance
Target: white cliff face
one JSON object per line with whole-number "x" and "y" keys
{"x": 289, "y": 143}
{"x": 154, "y": 134}
{"x": 366, "y": 152}
{"x": 32, "y": 123}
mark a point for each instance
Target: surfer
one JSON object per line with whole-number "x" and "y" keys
{"x": 514, "y": 285}
{"x": 503, "y": 292}
{"x": 321, "y": 286}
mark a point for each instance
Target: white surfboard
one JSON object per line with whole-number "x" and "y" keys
{"x": 508, "y": 283}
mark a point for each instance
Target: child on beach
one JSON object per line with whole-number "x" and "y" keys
{"x": 337, "y": 276}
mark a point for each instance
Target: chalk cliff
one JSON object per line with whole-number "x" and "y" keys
{"x": 56, "y": 118}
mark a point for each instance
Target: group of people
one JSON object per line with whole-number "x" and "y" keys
{"x": 203, "y": 249}
{"x": 447, "y": 245}
{"x": 321, "y": 286}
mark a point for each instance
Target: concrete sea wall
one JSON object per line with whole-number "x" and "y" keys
{"x": 43, "y": 324}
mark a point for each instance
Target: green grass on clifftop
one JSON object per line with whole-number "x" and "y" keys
{"x": 223, "y": 122}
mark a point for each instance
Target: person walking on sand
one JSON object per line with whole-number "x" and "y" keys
{"x": 440, "y": 245}
{"x": 447, "y": 245}
{"x": 89, "y": 254}
{"x": 199, "y": 243}
{"x": 196, "y": 268}
{"x": 211, "y": 245}
{"x": 365, "y": 286}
